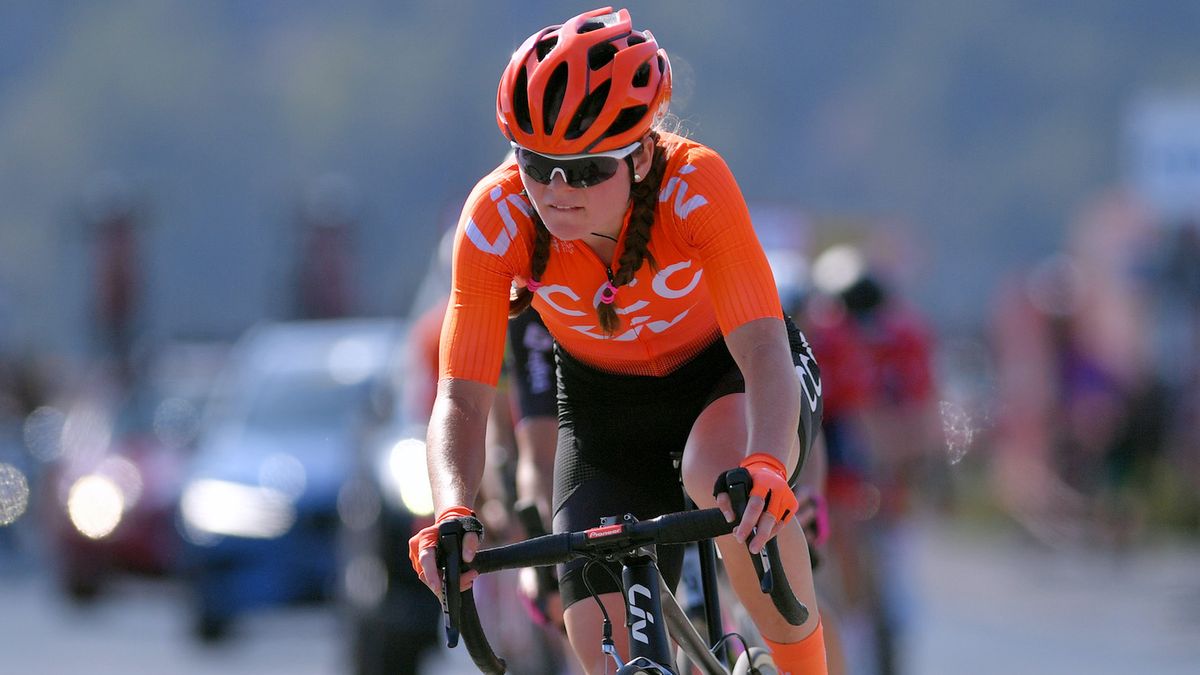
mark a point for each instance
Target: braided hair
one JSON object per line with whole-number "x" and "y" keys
{"x": 644, "y": 195}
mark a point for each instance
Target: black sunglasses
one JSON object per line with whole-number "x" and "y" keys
{"x": 579, "y": 171}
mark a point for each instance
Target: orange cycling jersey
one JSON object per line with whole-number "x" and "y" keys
{"x": 710, "y": 276}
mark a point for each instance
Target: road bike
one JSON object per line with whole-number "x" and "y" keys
{"x": 651, "y": 609}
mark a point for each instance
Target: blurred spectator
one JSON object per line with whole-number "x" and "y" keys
{"x": 324, "y": 275}
{"x": 112, "y": 219}
{"x": 1081, "y": 410}
{"x": 1175, "y": 278}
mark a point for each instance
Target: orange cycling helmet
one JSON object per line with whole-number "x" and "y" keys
{"x": 593, "y": 84}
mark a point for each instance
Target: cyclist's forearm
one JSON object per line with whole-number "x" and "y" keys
{"x": 456, "y": 437}
{"x": 772, "y": 390}
{"x": 774, "y": 404}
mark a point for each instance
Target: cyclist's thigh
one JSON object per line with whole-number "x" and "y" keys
{"x": 603, "y": 496}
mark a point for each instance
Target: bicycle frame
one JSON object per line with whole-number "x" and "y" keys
{"x": 653, "y": 612}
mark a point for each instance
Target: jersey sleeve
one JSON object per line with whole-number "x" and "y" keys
{"x": 714, "y": 219}
{"x": 492, "y": 244}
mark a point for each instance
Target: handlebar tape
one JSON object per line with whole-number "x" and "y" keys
{"x": 477, "y": 643}
{"x": 790, "y": 608}
{"x": 686, "y": 527}
{"x": 771, "y": 576}
{"x": 549, "y": 549}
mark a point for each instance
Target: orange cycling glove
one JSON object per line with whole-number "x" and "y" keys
{"x": 428, "y": 537}
{"x": 768, "y": 479}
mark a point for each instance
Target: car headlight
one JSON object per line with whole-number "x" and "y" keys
{"x": 216, "y": 507}
{"x": 95, "y": 504}
{"x": 405, "y": 477}
{"x": 97, "y": 501}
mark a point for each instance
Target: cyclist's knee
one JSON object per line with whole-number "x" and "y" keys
{"x": 700, "y": 471}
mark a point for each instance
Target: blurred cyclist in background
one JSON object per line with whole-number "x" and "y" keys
{"x": 880, "y": 428}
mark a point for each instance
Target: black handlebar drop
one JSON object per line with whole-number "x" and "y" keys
{"x": 477, "y": 643}
{"x": 767, "y": 561}
{"x": 459, "y": 606}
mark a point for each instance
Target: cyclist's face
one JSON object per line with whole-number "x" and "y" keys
{"x": 571, "y": 213}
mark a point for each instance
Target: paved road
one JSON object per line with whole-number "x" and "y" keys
{"x": 987, "y": 604}
{"x": 992, "y": 604}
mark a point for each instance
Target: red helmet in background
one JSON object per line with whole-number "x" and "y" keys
{"x": 592, "y": 84}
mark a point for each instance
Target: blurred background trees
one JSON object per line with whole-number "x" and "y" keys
{"x": 980, "y": 126}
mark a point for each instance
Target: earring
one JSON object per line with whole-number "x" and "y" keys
{"x": 637, "y": 177}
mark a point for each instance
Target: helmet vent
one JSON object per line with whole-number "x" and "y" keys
{"x": 635, "y": 39}
{"x": 626, "y": 120}
{"x": 601, "y": 55}
{"x": 521, "y": 102}
{"x": 556, "y": 88}
{"x": 588, "y": 111}
{"x": 641, "y": 76}
{"x": 545, "y": 46}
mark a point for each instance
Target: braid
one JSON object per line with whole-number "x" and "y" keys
{"x": 541, "y": 255}
{"x": 644, "y": 195}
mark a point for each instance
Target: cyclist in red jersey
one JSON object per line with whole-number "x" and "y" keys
{"x": 636, "y": 248}
{"x": 879, "y": 425}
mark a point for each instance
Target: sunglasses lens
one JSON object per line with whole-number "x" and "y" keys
{"x": 579, "y": 173}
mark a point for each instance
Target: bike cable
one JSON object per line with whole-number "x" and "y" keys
{"x": 607, "y": 644}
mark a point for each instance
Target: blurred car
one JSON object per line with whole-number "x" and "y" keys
{"x": 118, "y": 477}
{"x": 392, "y": 619}
{"x": 259, "y": 506}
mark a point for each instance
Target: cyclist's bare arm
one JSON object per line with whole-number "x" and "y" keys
{"x": 455, "y": 451}
{"x": 760, "y": 348}
{"x": 457, "y": 431}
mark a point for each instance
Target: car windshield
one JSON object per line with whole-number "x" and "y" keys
{"x": 295, "y": 401}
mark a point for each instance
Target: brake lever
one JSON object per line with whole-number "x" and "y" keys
{"x": 449, "y": 554}
{"x": 737, "y": 484}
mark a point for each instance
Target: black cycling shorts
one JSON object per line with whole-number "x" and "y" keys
{"x": 616, "y": 434}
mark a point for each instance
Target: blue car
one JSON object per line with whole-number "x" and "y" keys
{"x": 259, "y": 505}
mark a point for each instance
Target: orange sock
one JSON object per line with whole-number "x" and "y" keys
{"x": 806, "y": 657}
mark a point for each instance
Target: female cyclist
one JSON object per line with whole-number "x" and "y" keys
{"x": 636, "y": 248}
